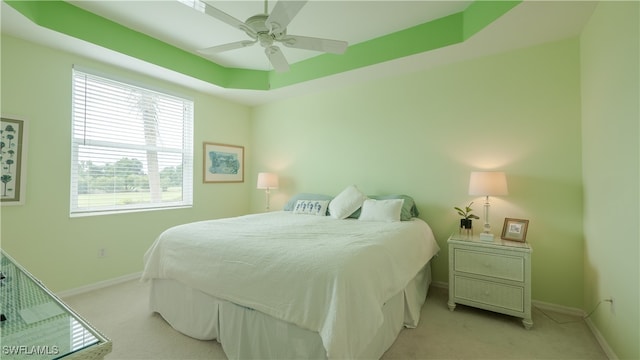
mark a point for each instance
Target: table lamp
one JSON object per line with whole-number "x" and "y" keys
{"x": 487, "y": 183}
{"x": 267, "y": 181}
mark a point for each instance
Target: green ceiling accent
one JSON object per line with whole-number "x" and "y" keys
{"x": 482, "y": 13}
{"x": 74, "y": 21}
{"x": 71, "y": 20}
{"x": 428, "y": 36}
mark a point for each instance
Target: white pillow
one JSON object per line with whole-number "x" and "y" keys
{"x": 381, "y": 210}
{"x": 345, "y": 203}
{"x": 311, "y": 207}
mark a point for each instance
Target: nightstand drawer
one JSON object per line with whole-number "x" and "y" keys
{"x": 494, "y": 265}
{"x": 494, "y": 294}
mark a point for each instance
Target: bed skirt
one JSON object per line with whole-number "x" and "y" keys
{"x": 245, "y": 333}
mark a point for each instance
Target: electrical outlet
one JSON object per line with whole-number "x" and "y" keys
{"x": 612, "y": 302}
{"x": 102, "y": 252}
{"x": 613, "y": 308}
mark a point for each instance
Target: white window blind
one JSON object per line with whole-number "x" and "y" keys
{"x": 80, "y": 336}
{"x": 196, "y": 4}
{"x": 132, "y": 147}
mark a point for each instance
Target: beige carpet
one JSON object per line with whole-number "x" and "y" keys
{"x": 122, "y": 314}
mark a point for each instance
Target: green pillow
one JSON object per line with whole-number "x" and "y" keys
{"x": 409, "y": 209}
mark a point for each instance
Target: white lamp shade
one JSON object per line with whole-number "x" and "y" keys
{"x": 267, "y": 180}
{"x": 485, "y": 183}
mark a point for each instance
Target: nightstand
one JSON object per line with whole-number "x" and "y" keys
{"x": 491, "y": 275}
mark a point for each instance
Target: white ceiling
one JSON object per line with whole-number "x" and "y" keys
{"x": 351, "y": 21}
{"x": 530, "y": 23}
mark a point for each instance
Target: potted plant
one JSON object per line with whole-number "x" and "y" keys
{"x": 467, "y": 216}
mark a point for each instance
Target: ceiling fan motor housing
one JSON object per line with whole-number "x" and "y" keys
{"x": 261, "y": 32}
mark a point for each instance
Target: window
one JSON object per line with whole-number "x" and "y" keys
{"x": 131, "y": 149}
{"x": 196, "y": 4}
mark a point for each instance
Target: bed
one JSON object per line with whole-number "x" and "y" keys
{"x": 286, "y": 284}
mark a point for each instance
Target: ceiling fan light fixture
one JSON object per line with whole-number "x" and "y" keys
{"x": 265, "y": 40}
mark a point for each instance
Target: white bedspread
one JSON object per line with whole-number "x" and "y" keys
{"x": 322, "y": 274}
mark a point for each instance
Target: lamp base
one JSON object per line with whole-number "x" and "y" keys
{"x": 486, "y": 236}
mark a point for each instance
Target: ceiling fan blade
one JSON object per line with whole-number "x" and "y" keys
{"x": 282, "y": 14}
{"x": 227, "y": 47}
{"x": 317, "y": 44}
{"x": 277, "y": 59}
{"x": 226, "y": 18}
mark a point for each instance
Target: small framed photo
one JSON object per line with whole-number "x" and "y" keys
{"x": 515, "y": 229}
{"x": 223, "y": 163}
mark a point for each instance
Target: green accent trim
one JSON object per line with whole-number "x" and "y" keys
{"x": 403, "y": 43}
{"x": 71, "y": 20}
{"x": 74, "y": 21}
{"x": 482, "y": 13}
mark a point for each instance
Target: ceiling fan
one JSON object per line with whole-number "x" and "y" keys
{"x": 270, "y": 29}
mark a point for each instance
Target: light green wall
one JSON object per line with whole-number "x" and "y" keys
{"x": 62, "y": 251}
{"x": 610, "y": 131}
{"x": 422, "y": 133}
{"x": 419, "y": 134}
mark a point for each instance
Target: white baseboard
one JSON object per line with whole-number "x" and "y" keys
{"x": 440, "y": 284}
{"x": 611, "y": 355}
{"x": 98, "y": 285}
{"x": 558, "y": 308}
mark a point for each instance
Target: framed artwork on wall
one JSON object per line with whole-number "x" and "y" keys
{"x": 223, "y": 163}
{"x": 515, "y": 229}
{"x": 13, "y": 139}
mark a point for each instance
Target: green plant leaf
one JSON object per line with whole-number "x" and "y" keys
{"x": 466, "y": 213}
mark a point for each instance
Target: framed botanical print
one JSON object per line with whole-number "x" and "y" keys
{"x": 12, "y": 160}
{"x": 223, "y": 163}
{"x": 515, "y": 229}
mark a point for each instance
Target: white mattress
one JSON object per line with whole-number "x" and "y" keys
{"x": 321, "y": 274}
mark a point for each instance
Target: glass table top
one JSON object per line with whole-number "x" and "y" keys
{"x": 35, "y": 324}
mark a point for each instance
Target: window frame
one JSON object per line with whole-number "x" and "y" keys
{"x": 186, "y": 150}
